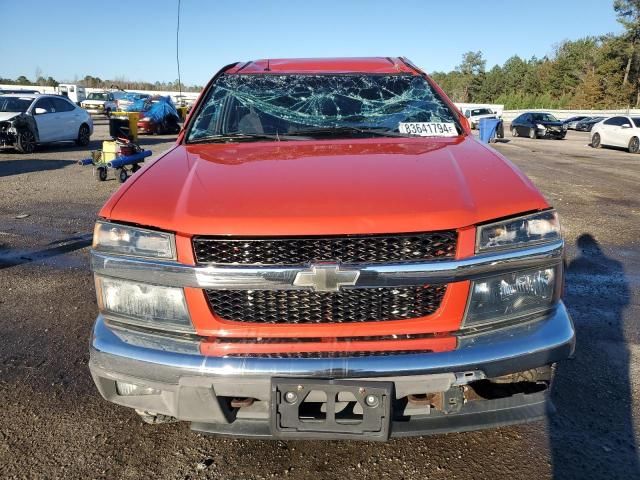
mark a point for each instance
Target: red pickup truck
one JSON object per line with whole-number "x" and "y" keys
{"x": 327, "y": 252}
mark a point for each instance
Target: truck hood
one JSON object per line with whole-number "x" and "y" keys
{"x": 486, "y": 115}
{"x": 549, "y": 123}
{"x": 324, "y": 187}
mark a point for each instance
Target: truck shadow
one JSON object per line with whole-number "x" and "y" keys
{"x": 16, "y": 167}
{"x": 592, "y": 434}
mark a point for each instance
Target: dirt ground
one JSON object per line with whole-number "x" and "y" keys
{"x": 54, "y": 424}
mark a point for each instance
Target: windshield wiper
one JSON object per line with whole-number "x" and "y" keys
{"x": 379, "y": 131}
{"x": 238, "y": 136}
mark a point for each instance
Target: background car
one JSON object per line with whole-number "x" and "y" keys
{"x": 30, "y": 120}
{"x": 620, "y": 131}
{"x": 101, "y": 103}
{"x": 538, "y": 125}
{"x": 571, "y": 122}
{"x": 587, "y": 124}
{"x": 474, "y": 115}
{"x": 158, "y": 115}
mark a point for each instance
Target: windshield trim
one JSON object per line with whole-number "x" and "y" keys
{"x": 436, "y": 90}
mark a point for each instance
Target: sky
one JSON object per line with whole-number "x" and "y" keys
{"x": 137, "y": 39}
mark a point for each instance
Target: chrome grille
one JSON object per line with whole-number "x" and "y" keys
{"x": 344, "y": 306}
{"x": 344, "y": 249}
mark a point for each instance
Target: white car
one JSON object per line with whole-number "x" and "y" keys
{"x": 619, "y": 131}
{"x": 30, "y": 120}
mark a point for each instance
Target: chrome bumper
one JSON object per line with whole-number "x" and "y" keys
{"x": 174, "y": 274}
{"x": 495, "y": 353}
{"x": 193, "y": 386}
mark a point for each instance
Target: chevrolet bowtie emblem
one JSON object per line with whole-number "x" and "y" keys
{"x": 326, "y": 278}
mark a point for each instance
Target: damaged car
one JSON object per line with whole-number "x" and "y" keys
{"x": 27, "y": 121}
{"x": 538, "y": 125}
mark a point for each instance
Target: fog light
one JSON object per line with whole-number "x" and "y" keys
{"x": 128, "y": 389}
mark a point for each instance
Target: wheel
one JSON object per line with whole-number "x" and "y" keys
{"x": 500, "y": 130}
{"x": 26, "y": 141}
{"x": 122, "y": 175}
{"x": 101, "y": 174}
{"x": 84, "y": 135}
{"x": 533, "y": 133}
{"x": 514, "y": 132}
{"x": 595, "y": 141}
{"x": 634, "y": 145}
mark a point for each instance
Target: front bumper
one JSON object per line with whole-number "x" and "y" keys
{"x": 196, "y": 388}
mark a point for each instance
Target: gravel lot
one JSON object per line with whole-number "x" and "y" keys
{"x": 54, "y": 424}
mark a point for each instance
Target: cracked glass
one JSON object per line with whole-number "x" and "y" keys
{"x": 286, "y": 105}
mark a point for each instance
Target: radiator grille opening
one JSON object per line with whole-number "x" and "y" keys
{"x": 345, "y": 306}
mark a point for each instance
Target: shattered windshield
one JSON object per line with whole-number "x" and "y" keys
{"x": 97, "y": 96}
{"x": 14, "y": 104}
{"x": 297, "y": 104}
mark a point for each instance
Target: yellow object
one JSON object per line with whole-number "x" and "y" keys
{"x": 109, "y": 151}
{"x": 133, "y": 123}
{"x": 182, "y": 111}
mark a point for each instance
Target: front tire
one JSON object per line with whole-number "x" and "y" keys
{"x": 514, "y": 132}
{"x": 533, "y": 133}
{"x": 84, "y": 135}
{"x": 634, "y": 145}
{"x": 26, "y": 141}
{"x": 101, "y": 173}
{"x": 596, "y": 141}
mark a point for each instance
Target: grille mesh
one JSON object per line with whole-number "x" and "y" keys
{"x": 296, "y": 251}
{"x": 338, "y": 354}
{"x": 345, "y": 306}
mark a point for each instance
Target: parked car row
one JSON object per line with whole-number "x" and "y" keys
{"x": 617, "y": 131}
{"x": 107, "y": 102}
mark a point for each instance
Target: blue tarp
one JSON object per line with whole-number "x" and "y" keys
{"x": 160, "y": 108}
{"x": 138, "y": 105}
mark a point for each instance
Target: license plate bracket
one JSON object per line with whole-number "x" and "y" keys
{"x": 318, "y": 408}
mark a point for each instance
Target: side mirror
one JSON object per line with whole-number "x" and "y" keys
{"x": 465, "y": 123}
{"x": 39, "y": 111}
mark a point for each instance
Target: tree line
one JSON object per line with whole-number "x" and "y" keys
{"x": 588, "y": 73}
{"x": 97, "y": 82}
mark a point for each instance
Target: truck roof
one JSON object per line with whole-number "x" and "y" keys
{"x": 325, "y": 65}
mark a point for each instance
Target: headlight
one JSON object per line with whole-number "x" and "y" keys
{"x": 138, "y": 242}
{"x": 541, "y": 127}
{"x": 541, "y": 227}
{"x": 143, "y": 304}
{"x": 511, "y": 296}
